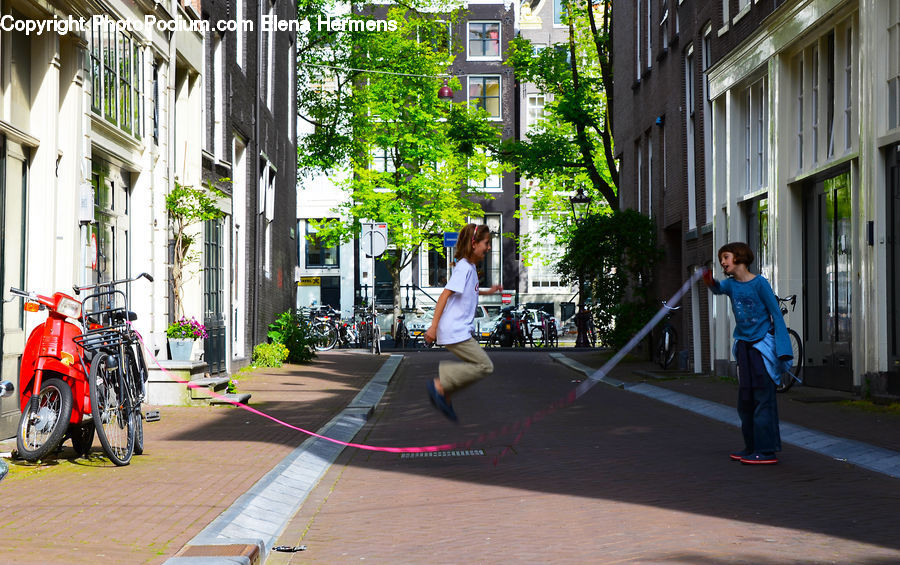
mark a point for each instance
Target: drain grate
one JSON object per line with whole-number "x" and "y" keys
{"x": 450, "y": 453}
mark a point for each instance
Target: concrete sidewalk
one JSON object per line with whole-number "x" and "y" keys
{"x": 198, "y": 461}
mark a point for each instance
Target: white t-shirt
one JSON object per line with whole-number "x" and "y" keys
{"x": 455, "y": 325}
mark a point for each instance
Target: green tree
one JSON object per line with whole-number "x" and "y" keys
{"x": 615, "y": 254}
{"x": 187, "y": 206}
{"x": 414, "y": 158}
{"x": 572, "y": 145}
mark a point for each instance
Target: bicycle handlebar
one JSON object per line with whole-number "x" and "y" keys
{"x": 78, "y": 289}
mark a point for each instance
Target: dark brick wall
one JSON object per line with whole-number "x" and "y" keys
{"x": 266, "y": 132}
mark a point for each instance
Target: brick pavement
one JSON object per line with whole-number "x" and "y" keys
{"x": 614, "y": 478}
{"x": 197, "y": 462}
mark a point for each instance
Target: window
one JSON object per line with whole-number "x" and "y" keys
{"x": 639, "y": 151}
{"x": 437, "y": 33}
{"x": 218, "y": 95}
{"x": 116, "y": 73}
{"x": 270, "y": 61}
{"x": 707, "y": 125}
{"x": 156, "y": 102}
{"x": 558, "y": 11}
{"x": 649, "y": 35}
{"x": 435, "y": 267}
{"x": 543, "y": 273}
{"x": 382, "y": 161}
{"x": 637, "y": 38}
{"x": 893, "y": 71}
{"x": 830, "y": 94}
{"x": 484, "y": 92}
{"x": 757, "y": 218}
{"x": 690, "y": 131}
{"x": 491, "y": 183}
{"x": 318, "y": 255}
{"x": 756, "y": 126}
{"x": 664, "y": 24}
{"x": 815, "y": 104}
{"x": 239, "y": 32}
{"x": 848, "y": 89}
{"x": 484, "y": 40}
{"x": 725, "y": 15}
{"x": 798, "y": 80}
{"x": 489, "y": 270}
{"x": 534, "y": 109}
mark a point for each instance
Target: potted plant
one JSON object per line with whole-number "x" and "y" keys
{"x": 182, "y": 334}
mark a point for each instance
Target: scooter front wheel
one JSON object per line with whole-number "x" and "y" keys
{"x": 44, "y": 420}
{"x": 111, "y": 409}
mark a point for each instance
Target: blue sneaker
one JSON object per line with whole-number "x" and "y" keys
{"x": 438, "y": 400}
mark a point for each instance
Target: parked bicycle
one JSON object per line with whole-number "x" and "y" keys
{"x": 788, "y": 379}
{"x": 325, "y": 328}
{"x": 118, "y": 374}
{"x": 668, "y": 339}
{"x": 543, "y": 332}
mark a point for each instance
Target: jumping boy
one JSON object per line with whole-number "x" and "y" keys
{"x": 451, "y": 325}
{"x": 762, "y": 349}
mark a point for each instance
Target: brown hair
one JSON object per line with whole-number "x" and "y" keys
{"x": 467, "y": 238}
{"x": 741, "y": 251}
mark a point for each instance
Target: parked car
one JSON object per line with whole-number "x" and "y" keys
{"x": 420, "y": 323}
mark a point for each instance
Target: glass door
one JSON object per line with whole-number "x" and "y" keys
{"x": 828, "y": 284}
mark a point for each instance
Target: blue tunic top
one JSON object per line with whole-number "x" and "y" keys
{"x": 756, "y": 312}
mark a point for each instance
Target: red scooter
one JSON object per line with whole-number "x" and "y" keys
{"x": 53, "y": 386}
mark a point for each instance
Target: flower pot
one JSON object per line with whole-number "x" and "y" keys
{"x": 180, "y": 349}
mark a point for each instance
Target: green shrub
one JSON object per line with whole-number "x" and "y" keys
{"x": 269, "y": 354}
{"x": 295, "y": 333}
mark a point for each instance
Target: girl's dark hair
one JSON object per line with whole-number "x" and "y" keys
{"x": 467, "y": 238}
{"x": 741, "y": 251}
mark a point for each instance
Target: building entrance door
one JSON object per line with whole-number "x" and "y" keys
{"x": 214, "y": 296}
{"x": 828, "y": 284}
{"x": 13, "y": 195}
{"x": 893, "y": 250}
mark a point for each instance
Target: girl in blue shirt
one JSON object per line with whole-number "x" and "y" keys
{"x": 451, "y": 325}
{"x": 762, "y": 349}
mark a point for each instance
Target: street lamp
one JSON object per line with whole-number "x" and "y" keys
{"x": 581, "y": 205}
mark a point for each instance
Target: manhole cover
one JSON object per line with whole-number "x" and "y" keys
{"x": 449, "y": 453}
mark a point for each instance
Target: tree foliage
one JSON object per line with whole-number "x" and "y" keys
{"x": 415, "y": 161}
{"x": 615, "y": 254}
{"x": 571, "y": 146}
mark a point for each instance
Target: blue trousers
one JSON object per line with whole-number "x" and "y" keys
{"x": 757, "y": 405}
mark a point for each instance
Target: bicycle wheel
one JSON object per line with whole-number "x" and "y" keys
{"x": 788, "y": 379}
{"x": 666, "y": 349}
{"x": 44, "y": 421}
{"x": 136, "y": 381}
{"x": 112, "y": 412}
{"x": 325, "y": 336}
{"x": 553, "y": 339}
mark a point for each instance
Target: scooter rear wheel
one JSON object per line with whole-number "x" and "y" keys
{"x": 44, "y": 420}
{"x": 82, "y": 438}
{"x": 111, "y": 409}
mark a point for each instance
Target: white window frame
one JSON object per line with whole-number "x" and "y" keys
{"x": 218, "y": 95}
{"x": 499, "y": 55}
{"x": 534, "y": 108}
{"x": 499, "y": 96}
{"x": 690, "y": 131}
{"x": 239, "y": 33}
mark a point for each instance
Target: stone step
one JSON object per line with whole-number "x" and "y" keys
{"x": 200, "y": 388}
{"x": 242, "y": 397}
